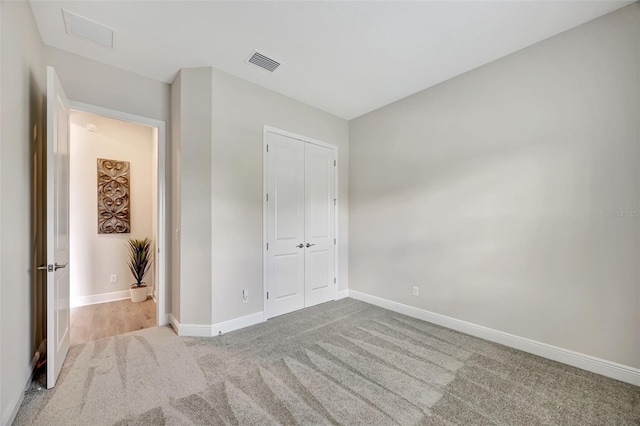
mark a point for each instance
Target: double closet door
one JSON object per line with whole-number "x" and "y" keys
{"x": 300, "y": 224}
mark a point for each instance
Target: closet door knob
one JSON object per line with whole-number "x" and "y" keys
{"x": 309, "y": 245}
{"x": 300, "y": 245}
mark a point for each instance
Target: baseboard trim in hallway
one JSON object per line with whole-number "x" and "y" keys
{"x": 94, "y": 299}
{"x": 606, "y": 368}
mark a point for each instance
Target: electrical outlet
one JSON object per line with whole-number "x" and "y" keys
{"x": 114, "y": 278}
{"x": 245, "y": 295}
{"x": 416, "y": 291}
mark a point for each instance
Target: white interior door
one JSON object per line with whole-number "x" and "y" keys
{"x": 300, "y": 205}
{"x": 285, "y": 225}
{"x": 319, "y": 224}
{"x": 58, "y": 318}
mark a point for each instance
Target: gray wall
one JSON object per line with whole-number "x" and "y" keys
{"x": 240, "y": 109}
{"x": 95, "y": 83}
{"x": 491, "y": 193}
{"x": 174, "y": 236}
{"x": 192, "y": 95}
{"x": 23, "y": 91}
{"x": 218, "y": 124}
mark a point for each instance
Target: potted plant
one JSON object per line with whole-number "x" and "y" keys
{"x": 139, "y": 264}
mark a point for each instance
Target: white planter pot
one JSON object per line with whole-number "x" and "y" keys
{"x": 138, "y": 294}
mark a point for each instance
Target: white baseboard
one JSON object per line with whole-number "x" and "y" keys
{"x": 205, "y": 330}
{"x": 586, "y": 362}
{"x": 237, "y": 323}
{"x": 193, "y": 330}
{"x": 165, "y": 320}
{"x": 175, "y": 324}
{"x": 342, "y": 294}
{"x": 103, "y": 298}
{"x": 99, "y": 298}
{"x": 9, "y": 415}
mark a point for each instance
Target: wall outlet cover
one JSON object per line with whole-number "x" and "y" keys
{"x": 114, "y": 278}
{"x": 416, "y": 291}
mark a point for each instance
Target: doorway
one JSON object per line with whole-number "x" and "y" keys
{"x": 300, "y": 179}
{"x": 100, "y": 300}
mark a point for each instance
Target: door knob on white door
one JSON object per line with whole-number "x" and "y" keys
{"x": 300, "y": 245}
{"x": 52, "y": 268}
{"x": 309, "y": 245}
{"x": 60, "y": 266}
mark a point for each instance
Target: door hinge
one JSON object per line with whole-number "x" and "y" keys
{"x": 267, "y": 295}
{"x": 334, "y": 163}
{"x": 267, "y": 246}
{"x": 334, "y": 280}
{"x": 267, "y": 147}
{"x": 335, "y": 200}
{"x": 267, "y": 197}
{"x": 334, "y": 241}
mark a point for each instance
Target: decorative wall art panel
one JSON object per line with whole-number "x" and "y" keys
{"x": 113, "y": 197}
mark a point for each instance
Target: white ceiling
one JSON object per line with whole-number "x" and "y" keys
{"x": 347, "y": 58}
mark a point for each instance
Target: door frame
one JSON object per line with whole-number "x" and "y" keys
{"x": 161, "y": 244}
{"x": 269, "y": 129}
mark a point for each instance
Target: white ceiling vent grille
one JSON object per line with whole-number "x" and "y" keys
{"x": 79, "y": 26}
{"x": 263, "y": 61}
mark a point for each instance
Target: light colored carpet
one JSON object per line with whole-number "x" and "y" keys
{"x": 342, "y": 362}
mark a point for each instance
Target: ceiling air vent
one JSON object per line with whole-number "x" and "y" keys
{"x": 81, "y": 27}
{"x": 258, "y": 59}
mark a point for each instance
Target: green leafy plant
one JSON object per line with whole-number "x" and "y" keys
{"x": 139, "y": 259}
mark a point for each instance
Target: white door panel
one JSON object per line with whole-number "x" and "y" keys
{"x": 318, "y": 263}
{"x": 285, "y": 225}
{"x": 287, "y": 275}
{"x": 319, "y": 224}
{"x": 58, "y": 318}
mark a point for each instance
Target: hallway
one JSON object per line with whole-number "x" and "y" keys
{"x": 93, "y": 322}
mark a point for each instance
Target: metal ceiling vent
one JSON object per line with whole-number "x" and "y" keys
{"x": 81, "y": 27}
{"x": 263, "y": 61}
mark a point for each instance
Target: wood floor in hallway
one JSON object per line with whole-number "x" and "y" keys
{"x": 102, "y": 320}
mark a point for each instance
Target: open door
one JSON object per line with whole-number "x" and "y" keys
{"x": 58, "y": 318}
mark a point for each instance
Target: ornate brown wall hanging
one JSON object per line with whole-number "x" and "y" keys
{"x": 113, "y": 197}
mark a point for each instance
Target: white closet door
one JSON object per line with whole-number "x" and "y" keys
{"x": 285, "y": 225}
{"x": 319, "y": 224}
